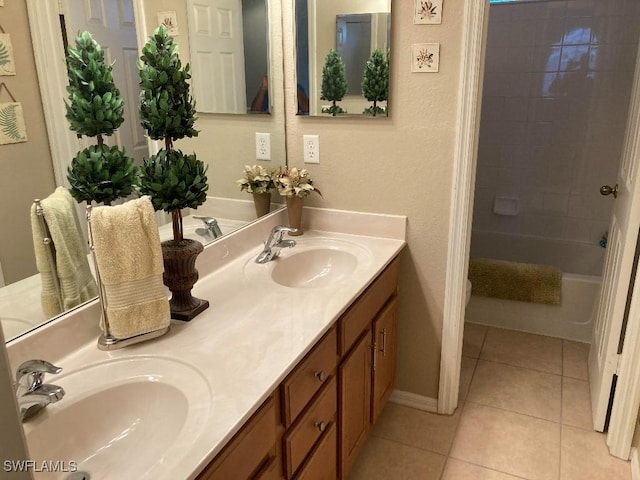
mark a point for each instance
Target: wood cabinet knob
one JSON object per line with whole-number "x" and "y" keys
{"x": 322, "y": 426}
{"x": 321, "y": 375}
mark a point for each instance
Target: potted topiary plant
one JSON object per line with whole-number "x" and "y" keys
{"x": 98, "y": 173}
{"x": 174, "y": 180}
{"x": 259, "y": 182}
{"x": 375, "y": 82}
{"x": 334, "y": 83}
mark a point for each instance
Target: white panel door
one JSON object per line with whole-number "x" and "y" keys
{"x": 217, "y": 55}
{"x": 111, "y": 23}
{"x": 610, "y": 311}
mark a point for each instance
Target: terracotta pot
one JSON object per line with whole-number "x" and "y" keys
{"x": 294, "y": 211}
{"x": 180, "y": 275}
{"x": 262, "y": 203}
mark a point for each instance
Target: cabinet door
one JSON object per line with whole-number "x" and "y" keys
{"x": 355, "y": 402}
{"x": 385, "y": 328}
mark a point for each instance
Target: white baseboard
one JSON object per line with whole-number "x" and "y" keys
{"x": 419, "y": 402}
{"x": 635, "y": 464}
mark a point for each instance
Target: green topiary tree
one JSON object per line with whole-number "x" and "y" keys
{"x": 167, "y": 111}
{"x": 375, "y": 82}
{"x": 334, "y": 82}
{"x": 99, "y": 173}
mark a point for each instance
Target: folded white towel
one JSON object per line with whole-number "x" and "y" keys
{"x": 70, "y": 253}
{"x": 129, "y": 261}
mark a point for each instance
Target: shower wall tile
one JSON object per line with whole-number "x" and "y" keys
{"x": 557, "y": 82}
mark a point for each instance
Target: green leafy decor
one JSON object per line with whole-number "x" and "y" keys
{"x": 98, "y": 173}
{"x": 9, "y": 122}
{"x": 174, "y": 180}
{"x": 334, "y": 82}
{"x": 375, "y": 82}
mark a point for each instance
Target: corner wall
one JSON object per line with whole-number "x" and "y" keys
{"x": 399, "y": 165}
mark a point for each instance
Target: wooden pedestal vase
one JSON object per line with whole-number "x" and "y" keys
{"x": 262, "y": 202}
{"x": 180, "y": 275}
{"x": 294, "y": 212}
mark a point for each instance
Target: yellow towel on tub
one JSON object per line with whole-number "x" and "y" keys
{"x": 70, "y": 265}
{"x": 129, "y": 261}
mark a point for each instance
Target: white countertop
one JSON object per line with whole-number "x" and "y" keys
{"x": 253, "y": 334}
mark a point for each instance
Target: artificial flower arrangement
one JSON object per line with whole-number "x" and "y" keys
{"x": 258, "y": 179}
{"x": 295, "y": 183}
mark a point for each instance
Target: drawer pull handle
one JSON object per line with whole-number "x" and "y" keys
{"x": 321, "y": 375}
{"x": 384, "y": 334}
{"x": 322, "y": 426}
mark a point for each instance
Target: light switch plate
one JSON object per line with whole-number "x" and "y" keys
{"x": 263, "y": 146}
{"x": 311, "y": 148}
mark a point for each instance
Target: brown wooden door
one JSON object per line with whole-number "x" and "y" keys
{"x": 354, "y": 403}
{"x": 385, "y": 328}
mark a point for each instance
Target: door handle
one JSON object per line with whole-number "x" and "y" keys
{"x": 607, "y": 190}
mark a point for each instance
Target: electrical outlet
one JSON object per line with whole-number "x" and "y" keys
{"x": 263, "y": 146}
{"x": 311, "y": 147}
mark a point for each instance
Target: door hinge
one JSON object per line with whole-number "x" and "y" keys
{"x": 618, "y": 360}
{"x": 60, "y": 10}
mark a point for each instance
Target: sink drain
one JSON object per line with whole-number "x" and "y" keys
{"x": 79, "y": 476}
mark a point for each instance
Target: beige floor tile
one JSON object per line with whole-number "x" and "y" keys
{"x": 585, "y": 456}
{"x": 575, "y": 356}
{"x": 467, "y": 368}
{"x": 517, "y": 389}
{"x": 473, "y": 339}
{"x": 415, "y": 428}
{"x": 458, "y": 470}
{"x": 382, "y": 459}
{"x": 508, "y": 442}
{"x": 576, "y": 403}
{"x": 521, "y": 349}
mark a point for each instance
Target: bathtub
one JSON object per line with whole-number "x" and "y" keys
{"x": 581, "y": 265}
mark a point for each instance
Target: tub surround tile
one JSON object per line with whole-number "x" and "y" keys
{"x": 508, "y": 442}
{"x": 458, "y": 470}
{"x": 415, "y": 428}
{"x": 575, "y": 358}
{"x": 585, "y": 455}
{"x": 520, "y": 349}
{"x": 576, "y": 404}
{"x": 382, "y": 459}
{"x": 517, "y": 389}
{"x": 474, "y": 335}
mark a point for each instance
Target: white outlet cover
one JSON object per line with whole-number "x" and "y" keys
{"x": 311, "y": 148}
{"x": 263, "y": 146}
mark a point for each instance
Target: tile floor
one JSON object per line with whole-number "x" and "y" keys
{"x": 524, "y": 413}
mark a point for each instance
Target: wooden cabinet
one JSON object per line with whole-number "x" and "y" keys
{"x": 355, "y": 401}
{"x": 385, "y": 335}
{"x": 316, "y": 422}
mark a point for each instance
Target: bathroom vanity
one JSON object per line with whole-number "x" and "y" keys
{"x": 281, "y": 378}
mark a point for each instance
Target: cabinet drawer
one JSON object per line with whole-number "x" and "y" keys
{"x": 313, "y": 372}
{"x": 251, "y": 452}
{"x": 305, "y": 433}
{"x": 322, "y": 464}
{"x": 361, "y": 313}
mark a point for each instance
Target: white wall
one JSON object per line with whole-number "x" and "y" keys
{"x": 556, "y": 91}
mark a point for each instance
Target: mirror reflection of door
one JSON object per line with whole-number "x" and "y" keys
{"x": 229, "y": 55}
{"x": 353, "y": 43}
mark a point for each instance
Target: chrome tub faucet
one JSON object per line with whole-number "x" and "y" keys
{"x": 275, "y": 243}
{"x": 33, "y": 394}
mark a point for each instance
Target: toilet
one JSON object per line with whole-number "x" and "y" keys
{"x": 468, "y": 291}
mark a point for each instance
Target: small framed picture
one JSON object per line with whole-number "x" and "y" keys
{"x": 425, "y": 57}
{"x": 427, "y": 12}
{"x": 169, "y": 20}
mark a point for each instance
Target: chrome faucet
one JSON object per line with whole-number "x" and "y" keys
{"x": 33, "y": 394}
{"x": 212, "y": 228}
{"x": 275, "y": 243}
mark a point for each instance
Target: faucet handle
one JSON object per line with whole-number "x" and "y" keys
{"x": 30, "y": 374}
{"x": 278, "y": 232}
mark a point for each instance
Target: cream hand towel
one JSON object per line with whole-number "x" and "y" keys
{"x": 129, "y": 260}
{"x": 71, "y": 265}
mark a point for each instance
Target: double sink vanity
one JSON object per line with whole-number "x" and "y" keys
{"x": 280, "y": 378}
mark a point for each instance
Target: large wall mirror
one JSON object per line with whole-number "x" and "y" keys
{"x": 226, "y": 143}
{"x": 355, "y": 29}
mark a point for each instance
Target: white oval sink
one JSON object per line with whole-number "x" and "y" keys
{"x": 314, "y": 268}
{"x": 125, "y": 418}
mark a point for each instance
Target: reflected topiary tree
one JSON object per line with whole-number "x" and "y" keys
{"x": 375, "y": 82}
{"x": 334, "y": 83}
